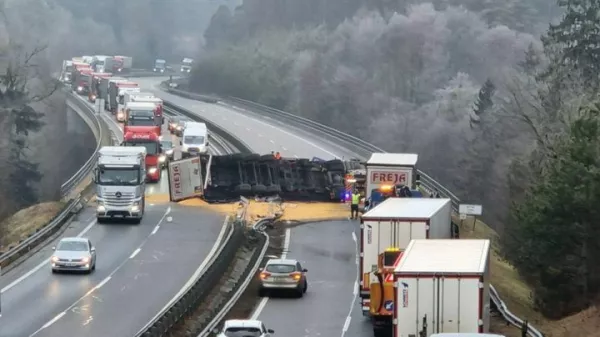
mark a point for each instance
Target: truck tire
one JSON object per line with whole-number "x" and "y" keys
{"x": 273, "y": 189}
{"x": 243, "y": 188}
{"x": 259, "y": 188}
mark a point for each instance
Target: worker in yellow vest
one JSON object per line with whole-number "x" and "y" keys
{"x": 354, "y": 205}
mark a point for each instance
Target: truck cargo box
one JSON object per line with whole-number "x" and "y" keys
{"x": 442, "y": 286}
{"x": 390, "y": 169}
{"x": 393, "y": 224}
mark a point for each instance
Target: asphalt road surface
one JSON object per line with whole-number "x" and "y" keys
{"x": 139, "y": 269}
{"x": 327, "y": 250}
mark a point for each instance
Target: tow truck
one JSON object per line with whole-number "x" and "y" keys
{"x": 151, "y": 142}
{"x": 381, "y": 307}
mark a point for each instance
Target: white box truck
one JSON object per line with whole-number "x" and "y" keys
{"x": 390, "y": 169}
{"x": 391, "y": 225}
{"x": 442, "y": 286}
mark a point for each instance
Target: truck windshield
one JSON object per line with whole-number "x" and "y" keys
{"x": 193, "y": 139}
{"x": 118, "y": 176}
{"x": 141, "y": 122}
{"x": 243, "y": 332}
{"x": 151, "y": 147}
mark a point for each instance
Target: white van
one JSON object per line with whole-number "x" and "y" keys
{"x": 194, "y": 140}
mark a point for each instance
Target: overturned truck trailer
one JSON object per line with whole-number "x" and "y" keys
{"x": 229, "y": 176}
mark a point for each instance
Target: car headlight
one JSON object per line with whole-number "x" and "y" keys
{"x": 162, "y": 70}
{"x": 152, "y": 170}
{"x": 54, "y": 259}
{"x": 178, "y": 127}
{"x": 162, "y": 158}
{"x": 120, "y": 69}
{"x": 85, "y": 260}
{"x": 79, "y": 88}
{"x": 101, "y": 208}
{"x": 93, "y": 96}
{"x": 169, "y": 152}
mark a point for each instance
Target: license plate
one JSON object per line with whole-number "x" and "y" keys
{"x": 280, "y": 278}
{"x": 70, "y": 264}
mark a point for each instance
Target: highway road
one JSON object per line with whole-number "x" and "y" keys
{"x": 139, "y": 269}
{"x": 327, "y": 250}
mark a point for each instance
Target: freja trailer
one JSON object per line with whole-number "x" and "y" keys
{"x": 385, "y": 232}
{"x": 391, "y": 169}
{"x": 442, "y": 286}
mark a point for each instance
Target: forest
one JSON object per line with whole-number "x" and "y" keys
{"x": 497, "y": 97}
{"x": 36, "y": 152}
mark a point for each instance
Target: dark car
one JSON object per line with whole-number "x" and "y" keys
{"x": 177, "y": 124}
{"x": 167, "y": 149}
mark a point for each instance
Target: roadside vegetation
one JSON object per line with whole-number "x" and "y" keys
{"x": 499, "y": 98}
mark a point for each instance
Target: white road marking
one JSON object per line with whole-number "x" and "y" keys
{"x": 102, "y": 283}
{"x": 44, "y": 263}
{"x": 272, "y": 141}
{"x": 135, "y": 252}
{"x": 263, "y": 302}
{"x": 155, "y": 230}
{"x": 52, "y": 321}
{"x": 354, "y": 291}
{"x": 247, "y": 129}
{"x": 296, "y": 156}
{"x": 283, "y": 148}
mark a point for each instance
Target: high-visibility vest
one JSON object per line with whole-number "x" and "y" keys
{"x": 355, "y": 199}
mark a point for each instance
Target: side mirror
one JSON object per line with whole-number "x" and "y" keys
{"x": 53, "y": 248}
{"x": 207, "y": 143}
{"x": 270, "y": 331}
{"x": 93, "y": 249}
{"x": 180, "y": 143}
{"x": 261, "y": 269}
{"x": 304, "y": 270}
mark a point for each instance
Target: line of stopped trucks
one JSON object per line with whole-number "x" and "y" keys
{"x": 416, "y": 278}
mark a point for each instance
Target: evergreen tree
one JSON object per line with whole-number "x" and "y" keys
{"x": 553, "y": 240}
{"x": 483, "y": 103}
{"x": 577, "y": 36}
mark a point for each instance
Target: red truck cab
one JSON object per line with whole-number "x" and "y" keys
{"x": 140, "y": 117}
{"x": 151, "y": 142}
{"x": 81, "y": 79}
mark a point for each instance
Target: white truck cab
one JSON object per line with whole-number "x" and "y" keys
{"x": 194, "y": 140}
{"x": 120, "y": 176}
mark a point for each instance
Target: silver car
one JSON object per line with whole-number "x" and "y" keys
{"x": 283, "y": 275}
{"x": 244, "y": 328}
{"x": 74, "y": 254}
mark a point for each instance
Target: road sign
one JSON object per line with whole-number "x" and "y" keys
{"x": 463, "y": 216}
{"x": 470, "y": 209}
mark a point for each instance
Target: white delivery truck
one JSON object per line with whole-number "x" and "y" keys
{"x": 194, "y": 140}
{"x": 186, "y": 65}
{"x": 442, "y": 286}
{"x": 390, "y": 169}
{"x": 391, "y": 225}
{"x": 120, "y": 177}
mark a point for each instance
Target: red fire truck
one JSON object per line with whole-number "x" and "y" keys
{"x": 151, "y": 142}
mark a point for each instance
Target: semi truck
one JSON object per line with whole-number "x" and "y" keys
{"x": 186, "y": 65}
{"x": 95, "y": 83}
{"x": 140, "y": 118}
{"x": 150, "y": 141}
{"x": 122, "y": 64}
{"x": 442, "y": 286}
{"x": 148, "y": 97}
{"x": 390, "y": 169}
{"x": 67, "y": 71}
{"x": 389, "y": 227}
{"x": 102, "y": 63}
{"x": 120, "y": 185}
{"x": 81, "y": 80}
{"x": 160, "y": 66}
{"x": 116, "y": 90}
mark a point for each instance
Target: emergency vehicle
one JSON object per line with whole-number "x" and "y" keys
{"x": 381, "y": 307}
{"x": 151, "y": 142}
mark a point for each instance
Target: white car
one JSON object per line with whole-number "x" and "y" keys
{"x": 74, "y": 254}
{"x": 245, "y": 328}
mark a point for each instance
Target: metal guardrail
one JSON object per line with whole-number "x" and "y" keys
{"x": 249, "y": 273}
{"x": 94, "y": 123}
{"x": 240, "y": 145}
{"x": 363, "y": 149}
{"x": 199, "y": 291}
{"x": 72, "y": 205}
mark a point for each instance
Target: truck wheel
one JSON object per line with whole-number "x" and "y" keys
{"x": 260, "y": 189}
{"x": 262, "y": 292}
